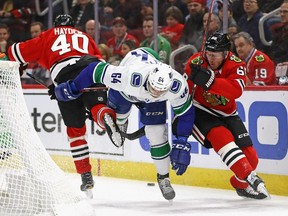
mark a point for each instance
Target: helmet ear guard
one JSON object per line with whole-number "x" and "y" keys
{"x": 63, "y": 20}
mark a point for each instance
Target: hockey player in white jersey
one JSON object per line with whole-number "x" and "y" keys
{"x": 142, "y": 80}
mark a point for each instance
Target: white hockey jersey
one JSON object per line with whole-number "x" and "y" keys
{"x": 130, "y": 79}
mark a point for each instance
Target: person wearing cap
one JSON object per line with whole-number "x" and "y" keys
{"x": 260, "y": 68}
{"x": 119, "y": 30}
{"x": 193, "y": 25}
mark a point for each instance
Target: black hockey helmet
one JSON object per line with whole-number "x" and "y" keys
{"x": 63, "y": 20}
{"x": 218, "y": 42}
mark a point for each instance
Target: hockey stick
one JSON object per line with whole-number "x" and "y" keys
{"x": 203, "y": 41}
{"x": 135, "y": 135}
{"x": 132, "y": 136}
{"x": 90, "y": 89}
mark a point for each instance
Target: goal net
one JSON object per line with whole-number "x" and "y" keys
{"x": 30, "y": 182}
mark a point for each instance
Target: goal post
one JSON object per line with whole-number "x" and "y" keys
{"x": 30, "y": 181}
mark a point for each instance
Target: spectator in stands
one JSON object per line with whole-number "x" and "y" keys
{"x": 90, "y": 27}
{"x": 214, "y": 25}
{"x": 279, "y": 46}
{"x": 231, "y": 20}
{"x": 36, "y": 28}
{"x": 127, "y": 46}
{"x": 237, "y": 9}
{"x": 249, "y": 22}
{"x": 165, "y": 4}
{"x": 270, "y": 5}
{"x": 193, "y": 25}
{"x": 130, "y": 10}
{"x": 174, "y": 28}
{"x": 164, "y": 47}
{"x": 17, "y": 15}
{"x": 82, "y": 12}
{"x": 5, "y": 40}
{"x": 34, "y": 68}
{"x": 119, "y": 29}
{"x": 105, "y": 51}
{"x": 260, "y": 68}
{"x": 106, "y": 15}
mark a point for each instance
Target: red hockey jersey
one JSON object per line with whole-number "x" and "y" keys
{"x": 260, "y": 69}
{"x": 53, "y": 46}
{"x": 228, "y": 85}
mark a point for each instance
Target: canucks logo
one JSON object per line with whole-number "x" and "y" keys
{"x": 259, "y": 58}
{"x": 136, "y": 79}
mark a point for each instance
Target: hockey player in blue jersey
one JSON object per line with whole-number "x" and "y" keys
{"x": 141, "y": 79}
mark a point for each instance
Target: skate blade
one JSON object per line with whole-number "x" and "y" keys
{"x": 262, "y": 189}
{"x": 89, "y": 193}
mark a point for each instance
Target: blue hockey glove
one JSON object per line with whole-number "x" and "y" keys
{"x": 180, "y": 155}
{"x": 66, "y": 91}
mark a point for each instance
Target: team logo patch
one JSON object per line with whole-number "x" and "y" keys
{"x": 136, "y": 79}
{"x": 196, "y": 60}
{"x": 235, "y": 58}
{"x": 176, "y": 85}
{"x": 259, "y": 58}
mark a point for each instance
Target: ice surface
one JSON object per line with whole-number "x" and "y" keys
{"x": 121, "y": 197}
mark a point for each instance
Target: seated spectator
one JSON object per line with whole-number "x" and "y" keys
{"x": 34, "y": 68}
{"x": 119, "y": 30}
{"x": 18, "y": 16}
{"x": 279, "y": 46}
{"x": 127, "y": 46}
{"x": 105, "y": 51}
{"x": 81, "y": 12}
{"x": 249, "y": 22}
{"x": 165, "y": 4}
{"x": 214, "y": 25}
{"x": 174, "y": 29}
{"x": 231, "y": 20}
{"x": 90, "y": 30}
{"x": 5, "y": 40}
{"x": 193, "y": 25}
{"x": 164, "y": 47}
{"x": 260, "y": 68}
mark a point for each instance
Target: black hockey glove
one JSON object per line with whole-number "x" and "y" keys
{"x": 201, "y": 76}
{"x": 22, "y": 68}
{"x": 51, "y": 92}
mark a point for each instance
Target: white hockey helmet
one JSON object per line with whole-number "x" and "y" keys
{"x": 160, "y": 80}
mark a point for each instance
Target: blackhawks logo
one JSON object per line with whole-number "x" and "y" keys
{"x": 259, "y": 58}
{"x": 197, "y": 60}
{"x": 235, "y": 58}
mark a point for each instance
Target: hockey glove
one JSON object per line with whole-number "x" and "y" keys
{"x": 180, "y": 155}
{"x": 201, "y": 76}
{"x": 67, "y": 91}
{"x": 51, "y": 92}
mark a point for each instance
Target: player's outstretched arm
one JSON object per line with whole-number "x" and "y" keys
{"x": 71, "y": 89}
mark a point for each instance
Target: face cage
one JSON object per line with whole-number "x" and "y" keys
{"x": 161, "y": 93}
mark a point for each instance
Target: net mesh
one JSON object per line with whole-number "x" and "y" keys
{"x": 30, "y": 182}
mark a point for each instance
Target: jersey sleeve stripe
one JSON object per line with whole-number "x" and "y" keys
{"x": 16, "y": 53}
{"x": 99, "y": 72}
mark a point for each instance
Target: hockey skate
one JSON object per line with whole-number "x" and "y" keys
{"x": 113, "y": 131}
{"x": 257, "y": 184}
{"x": 123, "y": 129}
{"x": 256, "y": 188}
{"x": 87, "y": 184}
{"x": 165, "y": 187}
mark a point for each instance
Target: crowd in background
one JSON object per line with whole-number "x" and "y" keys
{"x": 127, "y": 24}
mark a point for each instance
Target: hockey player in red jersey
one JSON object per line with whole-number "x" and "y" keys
{"x": 219, "y": 78}
{"x": 65, "y": 51}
